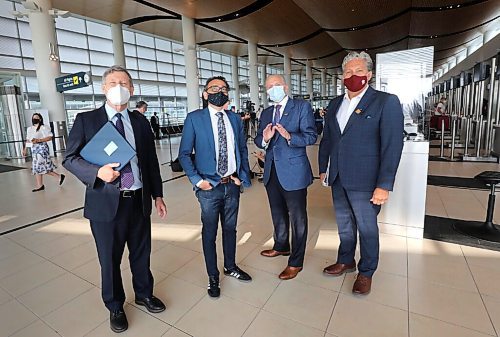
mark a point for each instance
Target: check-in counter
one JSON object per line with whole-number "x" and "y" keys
{"x": 404, "y": 213}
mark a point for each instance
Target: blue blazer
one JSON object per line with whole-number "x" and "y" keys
{"x": 367, "y": 154}
{"x": 198, "y": 135}
{"x": 101, "y": 198}
{"x": 290, "y": 160}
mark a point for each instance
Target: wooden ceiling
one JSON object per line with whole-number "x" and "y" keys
{"x": 321, "y": 31}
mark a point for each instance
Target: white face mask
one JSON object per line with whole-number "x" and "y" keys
{"x": 276, "y": 93}
{"x": 118, "y": 95}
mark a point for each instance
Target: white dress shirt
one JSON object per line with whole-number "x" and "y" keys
{"x": 231, "y": 154}
{"x": 283, "y": 103}
{"x": 31, "y": 133}
{"x": 347, "y": 108}
{"x": 129, "y": 136}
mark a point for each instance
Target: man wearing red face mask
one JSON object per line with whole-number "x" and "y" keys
{"x": 363, "y": 140}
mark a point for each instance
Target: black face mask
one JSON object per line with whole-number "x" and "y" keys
{"x": 35, "y": 121}
{"x": 218, "y": 99}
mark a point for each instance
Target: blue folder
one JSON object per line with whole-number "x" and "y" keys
{"x": 108, "y": 146}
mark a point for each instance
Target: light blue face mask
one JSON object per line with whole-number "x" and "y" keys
{"x": 276, "y": 93}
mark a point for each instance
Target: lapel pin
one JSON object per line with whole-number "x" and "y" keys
{"x": 358, "y": 111}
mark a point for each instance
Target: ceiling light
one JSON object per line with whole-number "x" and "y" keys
{"x": 52, "y": 55}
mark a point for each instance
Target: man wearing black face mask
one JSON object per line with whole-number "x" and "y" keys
{"x": 363, "y": 141}
{"x": 219, "y": 169}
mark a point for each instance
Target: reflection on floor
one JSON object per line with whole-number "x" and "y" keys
{"x": 49, "y": 274}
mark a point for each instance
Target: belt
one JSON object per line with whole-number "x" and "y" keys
{"x": 225, "y": 180}
{"x": 130, "y": 193}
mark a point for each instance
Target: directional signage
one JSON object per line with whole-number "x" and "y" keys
{"x": 73, "y": 81}
{"x": 302, "y": 96}
{"x": 323, "y": 98}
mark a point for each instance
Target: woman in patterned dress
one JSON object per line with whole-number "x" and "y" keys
{"x": 37, "y": 137}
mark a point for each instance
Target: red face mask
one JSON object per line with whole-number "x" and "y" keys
{"x": 355, "y": 83}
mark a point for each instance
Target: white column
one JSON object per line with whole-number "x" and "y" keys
{"x": 192, "y": 81}
{"x": 287, "y": 71}
{"x": 334, "y": 85}
{"x": 342, "y": 86}
{"x": 263, "y": 74}
{"x": 323, "y": 82}
{"x": 43, "y": 33}
{"x": 118, "y": 48}
{"x": 300, "y": 83}
{"x": 253, "y": 73}
{"x": 236, "y": 82}
{"x": 309, "y": 79}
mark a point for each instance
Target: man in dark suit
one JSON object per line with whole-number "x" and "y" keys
{"x": 362, "y": 141}
{"x": 118, "y": 204}
{"x": 155, "y": 125}
{"x": 286, "y": 129}
{"x": 219, "y": 167}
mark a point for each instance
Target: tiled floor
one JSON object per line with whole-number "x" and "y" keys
{"x": 49, "y": 274}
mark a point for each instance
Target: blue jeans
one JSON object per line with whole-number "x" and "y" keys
{"x": 355, "y": 212}
{"x": 221, "y": 201}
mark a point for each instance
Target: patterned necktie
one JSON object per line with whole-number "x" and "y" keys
{"x": 221, "y": 129}
{"x": 126, "y": 175}
{"x": 277, "y": 114}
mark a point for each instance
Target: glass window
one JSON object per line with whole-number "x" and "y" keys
{"x": 167, "y": 90}
{"x": 226, "y": 59}
{"x": 70, "y": 54}
{"x": 149, "y": 89}
{"x": 32, "y": 84}
{"x": 146, "y": 53}
{"x": 6, "y": 7}
{"x": 179, "y": 70}
{"x": 165, "y": 78}
{"x": 130, "y": 49}
{"x": 226, "y": 68}
{"x": 98, "y": 29}
{"x": 131, "y": 63}
{"x": 178, "y": 59}
{"x": 147, "y": 65}
{"x": 102, "y": 45}
{"x": 128, "y": 36}
{"x": 217, "y": 67}
{"x": 205, "y": 55}
{"x": 163, "y": 44}
{"x": 26, "y": 48}
{"x": 164, "y": 68}
{"x": 143, "y": 75}
{"x": 29, "y": 64}
{"x": 134, "y": 74}
{"x": 10, "y": 46}
{"x": 180, "y": 79}
{"x": 65, "y": 38}
{"x": 163, "y": 56}
{"x": 71, "y": 23}
{"x": 177, "y": 48}
{"x": 70, "y": 68}
{"x": 102, "y": 59}
{"x": 144, "y": 40}
{"x": 96, "y": 70}
{"x": 216, "y": 57}
{"x": 8, "y": 27}
{"x": 205, "y": 64}
{"x": 205, "y": 74}
{"x": 24, "y": 30}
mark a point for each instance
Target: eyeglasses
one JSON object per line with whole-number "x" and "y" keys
{"x": 215, "y": 89}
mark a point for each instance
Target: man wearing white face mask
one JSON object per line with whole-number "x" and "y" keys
{"x": 286, "y": 129}
{"x": 118, "y": 204}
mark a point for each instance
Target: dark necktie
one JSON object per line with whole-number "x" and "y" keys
{"x": 277, "y": 114}
{"x": 221, "y": 130}
{"x": 126, "y": 175}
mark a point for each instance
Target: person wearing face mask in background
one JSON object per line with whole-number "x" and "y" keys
{"x": 118, "y": 204}
{"x": 286, "y": 129}
{"x": 362, "y": 141}
{"x": 37, "y": 137}
{"x": 219, "y": 168}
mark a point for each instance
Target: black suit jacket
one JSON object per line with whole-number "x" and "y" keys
{"x": 101, "y": 199}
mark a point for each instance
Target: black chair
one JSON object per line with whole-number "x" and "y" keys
{"x": 487, "y": 230}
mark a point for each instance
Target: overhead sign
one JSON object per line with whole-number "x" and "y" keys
{"x": 73, "y": 81}
{"x": 323, "y": 98}
{"x": 302, "y": 96}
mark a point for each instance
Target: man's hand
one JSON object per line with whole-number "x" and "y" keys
{"x": 322, "y": 177}
{"x": 282, "y": 131}
{"x": 380, "y": 196}
{"x": 268, "y": 132}
{"x": 107, "y": 174}
{"x": 205, "y": 185}
{"x": 237, "y": 181}
{"x": 161, "y": 208}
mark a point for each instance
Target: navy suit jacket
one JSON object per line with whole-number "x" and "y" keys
{"x": 198, "y": 135}
{"x": 367, "y": 154}
{"x": 290, "y": 160}
{"x": 101, "y": 198}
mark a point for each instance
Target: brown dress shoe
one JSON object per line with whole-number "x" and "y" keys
{"x": 338, "y": 269}
{"x": 273, "y": 253}
{"x": 363, "y": 285}
{"x": 290, "y": 272}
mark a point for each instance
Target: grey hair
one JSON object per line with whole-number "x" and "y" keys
{"x": 358, "y": 55}
{"x": 279, "y": 76}
{"x": 114, "y": 69}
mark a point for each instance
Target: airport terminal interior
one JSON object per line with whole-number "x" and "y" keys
{"x": 439, "y": 268}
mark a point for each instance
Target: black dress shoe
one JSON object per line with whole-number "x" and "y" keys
{"x": 153, "y": 304}
{"x": 41, "y": 188}
{"x": 238, "y": 274}
{"x": 61, "y": 180}
{"x": 118, "y": 321}
{"x": 213, "y": 287}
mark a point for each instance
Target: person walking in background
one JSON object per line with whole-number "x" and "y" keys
{"x": 155, "y": 125}
{"x": 286, "y": 129}
{"x": 36, "y": 138}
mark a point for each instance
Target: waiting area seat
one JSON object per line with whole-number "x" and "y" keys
{"x": 487, "y": 230}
